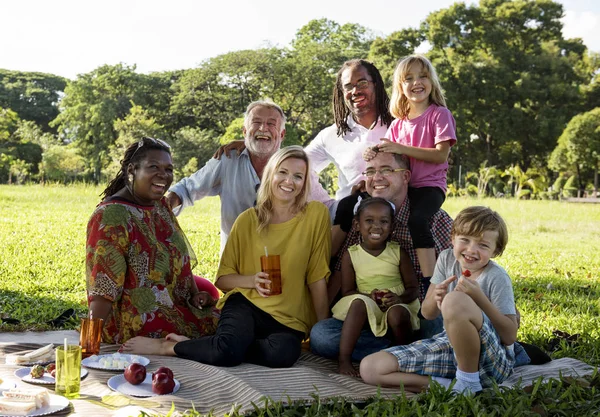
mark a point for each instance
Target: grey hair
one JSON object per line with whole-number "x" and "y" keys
{"x": 267, "y": 104}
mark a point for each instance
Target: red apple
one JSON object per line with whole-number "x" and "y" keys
{"x": 162, "y": 383}
{"x": 163, "y": 370}
{"x": 135, "y": 373}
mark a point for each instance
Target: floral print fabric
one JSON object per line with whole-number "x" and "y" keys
{"x": 138, "y": 258}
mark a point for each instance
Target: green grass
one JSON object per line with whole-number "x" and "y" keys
{"x": 42, "y": 241}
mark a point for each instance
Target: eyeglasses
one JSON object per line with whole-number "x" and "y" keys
{"x": 158, "y": 142}
{"x": 361, "y": 85}
{"x": 383, "y": 171}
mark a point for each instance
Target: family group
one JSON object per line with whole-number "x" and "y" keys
{"x": 380, "y": 275}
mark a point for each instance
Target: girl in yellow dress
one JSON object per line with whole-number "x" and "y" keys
{"x": 379, "y": 284}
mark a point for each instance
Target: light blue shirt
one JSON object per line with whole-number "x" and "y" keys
{"x": 233, "y": 179}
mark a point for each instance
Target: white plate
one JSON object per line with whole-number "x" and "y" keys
{"x": 118, "y": 383}
{"x": 6, "y": 385}
{"x": 46, "y": 379}
{"x": 94, "y": 362}
{"x": 57, "y": 403}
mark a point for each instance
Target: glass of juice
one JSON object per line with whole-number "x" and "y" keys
{"x": 90, "y": 336}
{"x": 68, "y": 371}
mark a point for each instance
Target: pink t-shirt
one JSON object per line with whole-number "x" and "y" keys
{"x": 435, "y": 125}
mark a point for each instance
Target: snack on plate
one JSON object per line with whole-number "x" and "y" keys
{"x": 42, "y": 354}
{"x": 38, "y": 396}
{"x": 114, "y": 361}
{"x": 16, "y": 408}
{"x": 37, "y": 371}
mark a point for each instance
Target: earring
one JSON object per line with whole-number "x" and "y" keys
{"x": 130, "y": 178}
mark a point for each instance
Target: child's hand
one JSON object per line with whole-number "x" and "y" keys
{"x": 441, "y": 290}
{"x": 389, "y": 299}
{"x": 370, "y": 153}
{"x": 387, "y": 145}
{"x": 373, "y": 295}
{"x": 262, "y": 284}
{"x": 202, "y": 299}
{"x": 469, "y": 287}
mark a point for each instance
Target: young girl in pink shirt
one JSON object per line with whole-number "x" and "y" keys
{"x": 424, "y": 130}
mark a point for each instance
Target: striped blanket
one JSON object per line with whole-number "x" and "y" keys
{"x": 213, "y": 388}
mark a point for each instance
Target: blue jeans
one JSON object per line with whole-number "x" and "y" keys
{"x": 325, "y": 338}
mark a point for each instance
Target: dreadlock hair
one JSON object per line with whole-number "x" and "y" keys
{"x": 382, "y": 101}
{"x": 133, "y": 155}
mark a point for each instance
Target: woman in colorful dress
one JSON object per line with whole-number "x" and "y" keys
{"x": 257, "y": 326}
{"x": 138, "y": 260}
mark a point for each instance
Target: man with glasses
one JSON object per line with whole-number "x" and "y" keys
{"x": 387, "y": 176}
{"x": 235, "y": 179}
{"x": 361, "y": 119}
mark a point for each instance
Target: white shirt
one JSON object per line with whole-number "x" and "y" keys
{"x": 344, "y": 151}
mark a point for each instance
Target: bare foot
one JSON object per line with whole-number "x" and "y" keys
{"x": 174, "y": 337}
{"x": 148, "y": 346}
{"x": 346, "y": 368}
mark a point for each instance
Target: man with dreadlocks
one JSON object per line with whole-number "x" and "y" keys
{"x": 361, "y": 118}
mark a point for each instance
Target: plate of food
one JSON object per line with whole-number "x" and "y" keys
{"x": 6, "y": 385}
{"x": 41, "y": 356}
{"x": 31, "y": 402}
{"x": 113, "y": 361}
{"x": 160, "y": 382}
{"x": 43, "y": 376}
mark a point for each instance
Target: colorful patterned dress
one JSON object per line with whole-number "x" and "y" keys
{"x": 138, "y": 258}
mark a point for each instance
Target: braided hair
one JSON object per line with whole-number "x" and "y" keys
{"x": 133, "y": 155}
{"x": 366, "y": 202}
{"x": 382, "y": 101}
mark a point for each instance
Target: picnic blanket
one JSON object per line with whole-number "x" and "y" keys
{"x": 208, "y": 387}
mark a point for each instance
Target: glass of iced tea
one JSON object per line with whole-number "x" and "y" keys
{"x": 270, "y": 264}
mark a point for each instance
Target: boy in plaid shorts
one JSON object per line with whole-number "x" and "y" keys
{"x": 475, "y": 296}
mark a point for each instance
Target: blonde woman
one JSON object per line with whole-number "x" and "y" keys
{"x": 255, "y": 326}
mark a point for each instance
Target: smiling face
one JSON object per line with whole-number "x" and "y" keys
{"x": 288, "y": 180}
{"x": 359, "y": 92}
{"x": 474, "y": 253}
{"x": 392, "y": 187}
{"x": 374, "y": 224}
{"x": 416, "y": 84}
{"x": 152, "y": 176}
{"x": 263, "y": 131}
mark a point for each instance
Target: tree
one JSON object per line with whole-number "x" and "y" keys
{"x": 385, "y": 53}
{"x": 579, "y": 147}
{"x": 62, "y": 163}
{"x": 9, "y": 122}
{"x": 33, "y": 96}
{"x": 511, "y": 79}
{"x": 92, "y": 103}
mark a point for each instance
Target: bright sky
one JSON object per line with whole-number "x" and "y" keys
{"x": 70, "y": 37}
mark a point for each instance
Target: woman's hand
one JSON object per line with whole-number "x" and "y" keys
{"x": 202, "y": 299}
{"x": 262, "y": 283}
{"x": 236, "y": 145}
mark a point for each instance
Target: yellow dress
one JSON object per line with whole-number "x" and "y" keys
{"x": 381, "y": 272}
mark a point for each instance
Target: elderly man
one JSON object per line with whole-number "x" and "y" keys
{"x": 235, "y": 179}
{"x": 387, "y": 177}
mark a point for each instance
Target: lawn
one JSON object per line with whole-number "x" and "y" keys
{"x": 552, "y": 256}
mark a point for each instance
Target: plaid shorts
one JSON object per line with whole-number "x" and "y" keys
{"x": 435, "y": 356}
